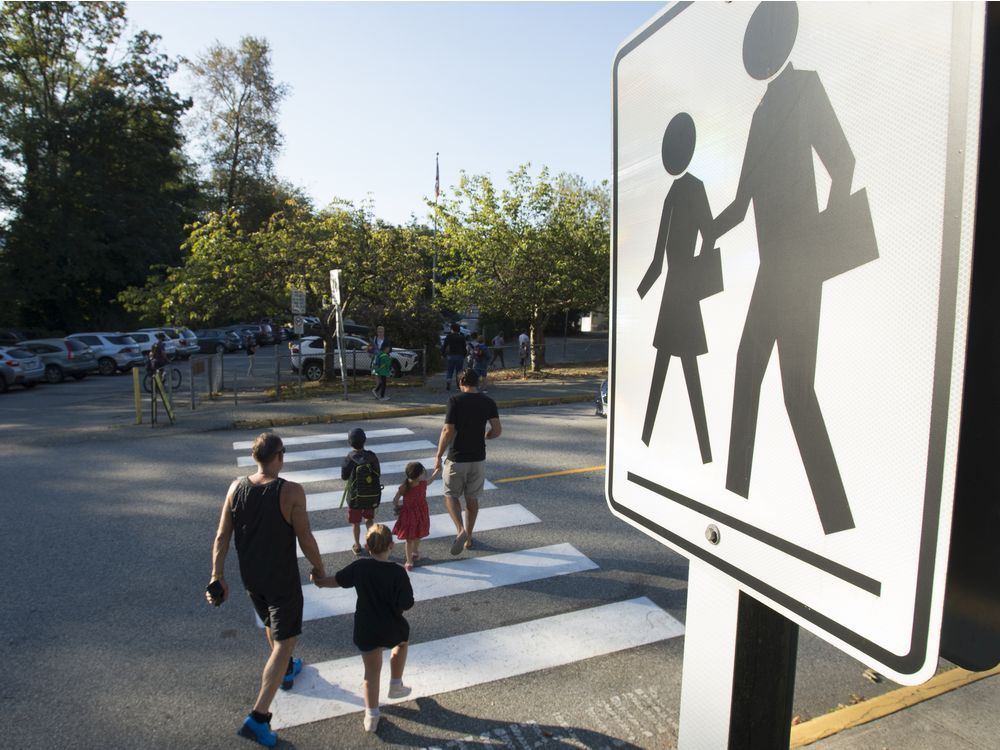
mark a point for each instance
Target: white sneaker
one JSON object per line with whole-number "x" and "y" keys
{"x": 399, "y": 691}
{"x": 371, "y": 722}
{"x": 384, "y": 398}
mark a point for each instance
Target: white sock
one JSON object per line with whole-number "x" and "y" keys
{"x": 373, "y": 712}
{"x": 396, "y": 682}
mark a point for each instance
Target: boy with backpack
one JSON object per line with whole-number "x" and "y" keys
{"x": 363, "y": 492}
{"x": 478, "y": 358}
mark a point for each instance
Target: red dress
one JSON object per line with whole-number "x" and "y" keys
{"x": 414, "y": 519}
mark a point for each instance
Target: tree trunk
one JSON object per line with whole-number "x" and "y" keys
{"x": 537, "y": 334}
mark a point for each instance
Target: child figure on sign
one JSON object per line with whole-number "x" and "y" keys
{"x": 410, "y": 505}
{"x": 384, "y": 593}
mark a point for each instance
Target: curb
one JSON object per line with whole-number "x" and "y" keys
{"x": 409, "y": 411}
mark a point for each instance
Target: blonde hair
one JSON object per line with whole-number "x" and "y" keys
{"x": 378, "y": 538}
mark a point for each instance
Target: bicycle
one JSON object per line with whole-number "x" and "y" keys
{"x": 171, "y": 382}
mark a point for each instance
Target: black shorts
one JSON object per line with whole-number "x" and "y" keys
{"x": 282, "y": 614}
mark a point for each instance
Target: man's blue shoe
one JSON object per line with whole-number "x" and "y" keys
{"x": 289, "y": 679}
{"x": 261, "y": 732}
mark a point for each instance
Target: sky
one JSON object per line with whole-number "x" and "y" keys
{"x": 377, "y": 88}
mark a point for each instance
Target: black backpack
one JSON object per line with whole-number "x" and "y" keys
{"x": 363, "y": 490}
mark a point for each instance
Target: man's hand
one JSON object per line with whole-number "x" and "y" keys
{"x": 225, "y": 592}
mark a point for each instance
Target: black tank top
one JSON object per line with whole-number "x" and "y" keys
{"x": 265, "y": 541}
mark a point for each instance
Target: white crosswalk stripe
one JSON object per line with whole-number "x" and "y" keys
{"x": 330, "y": 500}
{"x": 341, "y": 539}
{"x": 331, "y": 474}
{"x": 339, "y": 453}
{"x": 326, "y": 437}
{"x": 330, "y": 688}
{"x": 460, "y": 577}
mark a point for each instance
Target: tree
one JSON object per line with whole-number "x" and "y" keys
{"x": 534, "y": 250}
{"x": 97, "y": 188}
{"x": 238, "y": 103}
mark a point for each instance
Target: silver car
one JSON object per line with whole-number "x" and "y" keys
{"x": 115, "y": 352}
{"x": 62, "y": 357}
{"x": 19, "y": 367}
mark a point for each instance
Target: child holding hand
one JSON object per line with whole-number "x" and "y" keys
{"x": 384, "y": 593}
{"x": 410, "y": 504}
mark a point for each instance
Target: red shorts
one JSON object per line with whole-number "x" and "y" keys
{"x": 354, "y": 515}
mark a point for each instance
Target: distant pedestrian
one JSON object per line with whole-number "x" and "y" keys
{"x": 364, "y": 491}
{"x": 381, "y": 369}
{"x": 267, "y": 515}
{"x": 376, "y": 344}
{"x": 384, "y": 593}
{"x": 477, "y": 359}
{"x": 498, "y": 343}
{"x": 453, "y": 349}
{"x": 523, "y": 345}
{"x": 251, "y": 346}
{"x": 464, "y": 437}
{"x": 410, "y": 505}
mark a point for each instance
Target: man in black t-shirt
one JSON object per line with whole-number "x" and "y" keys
{"x": 465, "y": 432}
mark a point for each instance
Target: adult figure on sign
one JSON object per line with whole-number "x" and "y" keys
{"x": 799, "y": 247}
{"x": 680, "y": 331}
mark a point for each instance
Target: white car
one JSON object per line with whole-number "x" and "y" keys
{"x": 309, "y": 354}
{"x": 115, "y": 352}
{"x": 146, "y": 339}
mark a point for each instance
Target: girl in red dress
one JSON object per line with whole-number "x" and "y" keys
{"x": 410, "y": 504}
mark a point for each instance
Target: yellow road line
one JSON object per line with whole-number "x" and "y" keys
{"x": 875, "y": 708}
{"x": 549, "y": 474}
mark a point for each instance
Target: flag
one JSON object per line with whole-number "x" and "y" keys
{"x": 437, "y": 178}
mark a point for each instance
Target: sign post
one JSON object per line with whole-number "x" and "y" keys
{"x": 793, "y": 202}
{"x": 335, "y": 300}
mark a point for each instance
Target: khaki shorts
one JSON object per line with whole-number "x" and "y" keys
{"x": 464, "y": 478}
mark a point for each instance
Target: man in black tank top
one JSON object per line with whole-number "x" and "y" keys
{"x": 267, "y": 516}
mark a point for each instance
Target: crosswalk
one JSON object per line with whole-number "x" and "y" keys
{"x": 331, "y": 689}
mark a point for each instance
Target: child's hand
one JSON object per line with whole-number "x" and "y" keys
{"x": 395, "y": 510}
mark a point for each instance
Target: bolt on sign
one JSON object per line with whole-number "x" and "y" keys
{"x": 793, "y": 207}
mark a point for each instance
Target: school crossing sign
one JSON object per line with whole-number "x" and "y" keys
{"x": 794, "y": 195}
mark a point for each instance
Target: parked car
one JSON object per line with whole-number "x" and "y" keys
{"x": 182, "y": 347}
{"x": 62, "y": 357}
{"x": 309, "y": 354}
{"x": 115, "y": 352}
{"x": 262, "y": 332}
{"x": 19, "y": 367}
{"x": 146, "y": 339}
{"x": 11, "y": 337}
{"x": 215, "y": 341}
{"x": 313, "y": 326}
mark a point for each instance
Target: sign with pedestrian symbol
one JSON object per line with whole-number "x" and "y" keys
{"x": 794, "y": 186}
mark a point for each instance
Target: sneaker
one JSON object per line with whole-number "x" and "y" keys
{"x": 371, "y": 722}
{"x": 356, "y": 549}
{"x": 254, "y": 730}
{"x": 384, "y": 398}
{"x": 289, "y": 679}
{"x": 459, "y": 543}
{"x": 408, "y": 567}
{"x": 399, "y": 691}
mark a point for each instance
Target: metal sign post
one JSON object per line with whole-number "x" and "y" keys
{"x": 793, "y": 202}
{"x": 335, "y": 298}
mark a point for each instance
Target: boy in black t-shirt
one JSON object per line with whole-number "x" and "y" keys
{"x": 356, "y": 438}
{"x": 384, "y": 593}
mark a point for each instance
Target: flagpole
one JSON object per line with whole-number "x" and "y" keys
{"x": 437, "y": 193}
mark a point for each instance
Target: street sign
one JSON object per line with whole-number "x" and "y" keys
{"x": 335, "y": 286}
{"x": 298, "y": 325}
{"x": 298, "y": 302}
{"x": 794, "y": 191}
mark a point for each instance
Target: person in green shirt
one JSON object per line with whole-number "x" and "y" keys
{"x": 382, "y": 369}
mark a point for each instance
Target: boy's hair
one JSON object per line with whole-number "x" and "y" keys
{"x": 385, "y": 346}
{"x": 266, "y": 446}
{"x": 469, "y": 377}
{"x": 413, "y": 471}
{"x": 455, "y": 327}
{"x": 378, "y": 538}
{"x": 356, "y": 438}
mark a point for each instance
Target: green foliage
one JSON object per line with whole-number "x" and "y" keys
{"x": 237, "y": 118}
{"x": 528, "y": 252}
{"x": 95, "y": 185}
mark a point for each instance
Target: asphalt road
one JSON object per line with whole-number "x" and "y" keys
{"x": 108, "y": 643}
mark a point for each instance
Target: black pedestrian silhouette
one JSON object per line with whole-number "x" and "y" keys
{"x": 799, "y": 247}
{"x": 690, "y": 278}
